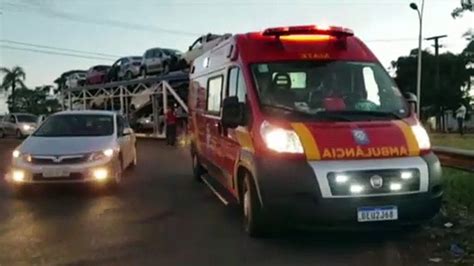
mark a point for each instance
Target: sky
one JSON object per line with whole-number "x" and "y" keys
{"x": 108, "y": 29}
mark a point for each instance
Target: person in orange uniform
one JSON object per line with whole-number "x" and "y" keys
{"x": 171, "y": 126}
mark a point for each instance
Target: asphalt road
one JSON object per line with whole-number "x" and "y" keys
{"x": 162, "y": 217}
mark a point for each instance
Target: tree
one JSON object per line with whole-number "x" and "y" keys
{"x": 454, "y": 76}
{"x": 12, "y": 80}
{"x": 466, "y": 5}
{"x": 36, "y": 101}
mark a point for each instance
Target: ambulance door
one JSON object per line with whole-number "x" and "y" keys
{"x": 213, "y": 128}
{"x": 230, "y": 144}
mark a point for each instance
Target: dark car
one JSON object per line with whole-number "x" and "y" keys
{"x": 97, "y": 74}
{"x": 161, "y": 61}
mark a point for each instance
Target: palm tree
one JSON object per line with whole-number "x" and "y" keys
{"x": 12, "y": 80}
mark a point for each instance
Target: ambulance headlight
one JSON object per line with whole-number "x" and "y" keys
{"x": 421, "y": 137}
{"x": 280, "y": 140}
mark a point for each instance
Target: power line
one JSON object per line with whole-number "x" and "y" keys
{"x": 52, "y": 52}
{"x": 95, "y": 21}
{"x": 392, "y": 40}
{"x": 58, "y": 48}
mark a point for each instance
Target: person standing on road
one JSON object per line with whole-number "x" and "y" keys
{"x": 461, "y": 116}
{"x": 171, "y": 126}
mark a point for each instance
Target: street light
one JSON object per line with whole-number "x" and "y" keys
{"x": 420, "y": 37}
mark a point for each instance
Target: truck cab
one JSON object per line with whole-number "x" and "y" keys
{"x": 303, "y": 126}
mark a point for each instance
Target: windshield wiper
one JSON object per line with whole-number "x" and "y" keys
{"x": 316, "y": 115}
{"x": 371, "y": 113}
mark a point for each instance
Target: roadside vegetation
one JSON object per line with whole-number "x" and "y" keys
{"x": 450, "y": 236}
{"x": 453, "y": 140}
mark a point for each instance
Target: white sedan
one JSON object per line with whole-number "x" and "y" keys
{"x": 75, "y": 147}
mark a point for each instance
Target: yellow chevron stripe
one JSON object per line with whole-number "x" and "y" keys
{"x": 307, "y": 140}
{"x": 412, "y": 143}
{"x": 244, "y": 139}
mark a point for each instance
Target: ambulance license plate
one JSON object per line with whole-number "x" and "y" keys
{"x": 374, "y": 214}
{"x": 55, "y": 173}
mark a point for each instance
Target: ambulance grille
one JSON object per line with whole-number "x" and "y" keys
{"x": 370, "y": 182}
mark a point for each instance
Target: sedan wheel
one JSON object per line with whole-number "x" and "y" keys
{"x": 2, "y": 135}
{"x": 166, "y": 69}
{"x": 18, "y": 134}
{"x": 134, "y": 161}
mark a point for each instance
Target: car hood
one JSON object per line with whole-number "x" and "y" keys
{"x": 357, "y": 140}
{"x": 65, "y": 145}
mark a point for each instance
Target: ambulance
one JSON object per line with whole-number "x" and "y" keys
{"x": 302, "y": 126}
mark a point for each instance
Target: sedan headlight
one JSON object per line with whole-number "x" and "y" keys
{"x": 16, "y": 154}
{"x": 280, "y": 139}
{"x": 27, "y": 127}
{"x": 105, "y": 154}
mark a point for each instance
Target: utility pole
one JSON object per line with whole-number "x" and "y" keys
{"x": 437, "y": 76}
{"x": 419, "y": 11}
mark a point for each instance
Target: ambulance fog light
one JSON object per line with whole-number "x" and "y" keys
{"x": 406, "y": 175}
{"x": 100, "y": 174}
{"x": 356, "y": 189}
{"x": 18, "y": 176}
{"x": 280, "y": 140}
{"x": 395, "y": 187}
{"x": 341, "y": 179}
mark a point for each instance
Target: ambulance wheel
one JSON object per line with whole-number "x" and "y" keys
{"x": 198, "y": 169}
{"x": 253, "y": 220}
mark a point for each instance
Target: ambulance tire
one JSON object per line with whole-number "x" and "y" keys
{"x": 253, "y": 218}
{"x": 198, "y": 169}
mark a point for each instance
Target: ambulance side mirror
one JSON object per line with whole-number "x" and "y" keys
{"x": 412, "y": 100}
{"x": 233, "y": 113}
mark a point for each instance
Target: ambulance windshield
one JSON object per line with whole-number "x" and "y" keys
{"x": 332, "y": 87}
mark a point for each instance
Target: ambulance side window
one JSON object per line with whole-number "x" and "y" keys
{"x": 214, "y": 94}
{"x": 236, "y": 85}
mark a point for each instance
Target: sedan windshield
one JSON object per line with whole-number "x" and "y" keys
{"x": 76, "y": 125}
{"x": 331, "y": 90}
{"x": 27, "y": 118}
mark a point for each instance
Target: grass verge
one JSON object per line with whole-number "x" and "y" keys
{"x": 459, "y": 188}
{"x": 453, "y": 140}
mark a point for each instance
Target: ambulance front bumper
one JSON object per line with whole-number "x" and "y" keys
{"x": 300, "y": 193}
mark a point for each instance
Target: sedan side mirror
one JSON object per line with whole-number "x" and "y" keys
{"x": 412, "y": 101}
{"x": 233, "y": 113}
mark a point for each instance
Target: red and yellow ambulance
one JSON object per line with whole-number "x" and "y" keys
{"x": 303, "y": 125}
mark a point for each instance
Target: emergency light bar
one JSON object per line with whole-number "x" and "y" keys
{"x": 308, "y": 30}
